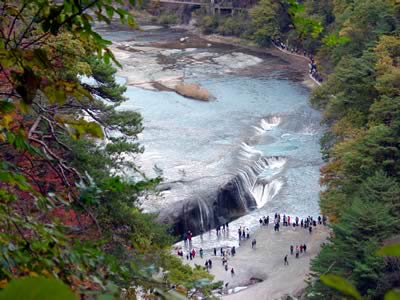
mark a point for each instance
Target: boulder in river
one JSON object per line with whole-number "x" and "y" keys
{"x": 192, "y": 90}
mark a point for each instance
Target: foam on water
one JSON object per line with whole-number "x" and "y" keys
{"x": 267, "y": 125}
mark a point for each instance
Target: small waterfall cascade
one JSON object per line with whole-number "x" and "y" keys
{"x": 204, "y": 212}
{"x": 257, "y": 176}
{"x": 267, "y": 124}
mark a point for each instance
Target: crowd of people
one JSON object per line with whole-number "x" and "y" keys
{"x": 244, "y": 234}
{"x": 306, "y": 223}
{"x": 294, "y": 50}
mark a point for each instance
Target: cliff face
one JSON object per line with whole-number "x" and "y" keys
{"x": 212, "y": 209}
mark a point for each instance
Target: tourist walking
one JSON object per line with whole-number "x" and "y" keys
{"x": 253, "y": 243}
{"x": 286, "y": 263}
{"x": 232, "y": 272}
{"x": 201, "y": 252}
{"x": 215, "y": 251}
{"x": 291, "y": 249}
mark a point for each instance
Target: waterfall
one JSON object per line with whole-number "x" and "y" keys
{"x": 266, "y": 191}
{"x": 254, "y": 183}
{"x": 251, "y": 178}
{"x": 267, "y": 124}
{"x": 204, "y": 214}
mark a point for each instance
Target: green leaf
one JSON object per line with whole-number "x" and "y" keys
{"x": 6, "y": 106}
{"x": 54, "y": 94}
{"x": 37, "y": 288}
{"x": 392, "y": 295}
{"x": 341, "y": 284}
{"x": 389, "y": 250}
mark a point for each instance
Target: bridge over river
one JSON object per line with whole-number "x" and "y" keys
{"x": 214, "y": 6}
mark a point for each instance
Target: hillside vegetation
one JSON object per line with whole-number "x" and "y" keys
{"x": 69, "y": 187}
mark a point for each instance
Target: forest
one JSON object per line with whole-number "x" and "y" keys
{"x": 67, "y": 212}
{"x": 356, "y": 45}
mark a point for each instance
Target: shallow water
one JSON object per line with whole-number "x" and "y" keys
{"x": 259, "y": 127}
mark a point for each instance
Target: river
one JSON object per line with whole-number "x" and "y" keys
{"x": 250, "y": 152}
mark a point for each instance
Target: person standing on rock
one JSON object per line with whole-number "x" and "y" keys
{"x": 201, "y": 252}
{"x": 240, "y": 233}
{"x": 248, "y": 233}
{"x": 286, "y": 263}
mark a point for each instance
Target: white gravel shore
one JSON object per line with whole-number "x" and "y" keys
{"x": 265, "y": 263}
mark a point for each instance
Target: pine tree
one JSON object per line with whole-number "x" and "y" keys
{"x": 381, "y": 188}
{"x": 351, "y": 251}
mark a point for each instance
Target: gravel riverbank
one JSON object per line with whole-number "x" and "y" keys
{"x": 261, "y": 271}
